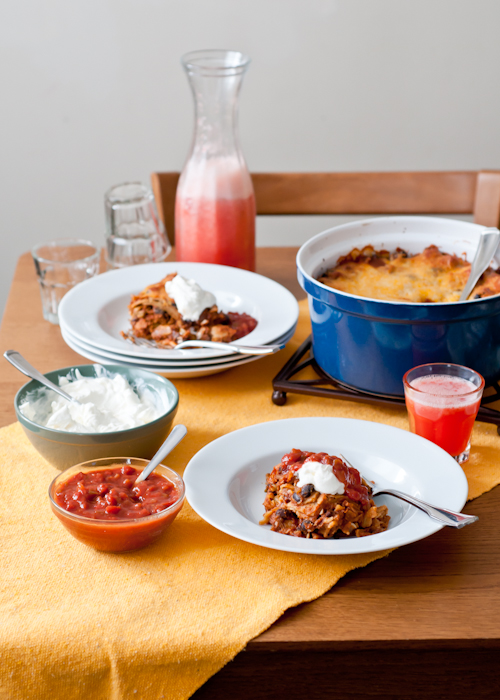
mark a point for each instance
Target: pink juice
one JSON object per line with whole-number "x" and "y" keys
{"x": 216, "y": 230}
{"x": 215, "y": 213}
{"x": 443, "y": 409}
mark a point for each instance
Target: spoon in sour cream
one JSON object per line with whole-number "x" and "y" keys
{"x": 81, "y": 412}
{"x": 20, "y": 363}
{"x": 177, "y": 434}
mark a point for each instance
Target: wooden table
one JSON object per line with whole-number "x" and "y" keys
{"x": 423, "y": 622}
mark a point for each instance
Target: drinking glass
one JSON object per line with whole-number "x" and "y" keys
{"x": 443, "y": 401}
{"x": 134, "y": 232}
{"x": 60, "y": 264}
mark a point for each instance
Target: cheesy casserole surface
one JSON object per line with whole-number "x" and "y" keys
{"x": 428, "y": 277}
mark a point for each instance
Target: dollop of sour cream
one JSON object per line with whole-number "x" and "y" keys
{"x": 321, "y": 476}
{"x": 189, "y": 297}
{"x": 106, "y": 403}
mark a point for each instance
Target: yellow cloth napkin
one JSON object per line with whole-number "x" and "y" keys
{"x": 77, "y": 623}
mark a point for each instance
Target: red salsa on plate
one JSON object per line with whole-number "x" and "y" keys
{"x": 350, "y": 477}
{"x": 242, "y": 323}
{"x": 111, "y": 494}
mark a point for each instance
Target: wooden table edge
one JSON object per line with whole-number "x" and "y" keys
{"x": 261, "y": 646}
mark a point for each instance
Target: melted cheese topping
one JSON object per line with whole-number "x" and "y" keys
{"x": 428, "y": 277}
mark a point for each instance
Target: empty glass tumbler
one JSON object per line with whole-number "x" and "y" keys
{"x": 60, "y": 264}
{"x": 215, "y": 203}
{"x": 134, "y": 232}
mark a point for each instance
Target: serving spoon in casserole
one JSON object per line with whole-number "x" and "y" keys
{"x": 488, "y": 243}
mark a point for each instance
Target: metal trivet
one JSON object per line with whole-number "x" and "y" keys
{"x": 327, "y": 387}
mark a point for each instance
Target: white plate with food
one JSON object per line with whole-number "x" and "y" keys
{"x": 96, "y": 311}
{"x": 178, "y": 364}
{"x": 226, "y": 482}
{"x": 166, "y": 370}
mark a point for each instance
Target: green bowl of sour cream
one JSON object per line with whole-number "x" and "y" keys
{"x": 123, "y": 412}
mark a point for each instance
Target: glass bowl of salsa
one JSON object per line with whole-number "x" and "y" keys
{"x": 100, "y": 505}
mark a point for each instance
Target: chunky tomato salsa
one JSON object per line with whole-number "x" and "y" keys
{"x": 243, "y": 324}
{"x": 111, "y": 494}
{"x": 350, "y": 477}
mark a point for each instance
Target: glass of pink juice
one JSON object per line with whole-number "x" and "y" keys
{"x": 442, "y": 402}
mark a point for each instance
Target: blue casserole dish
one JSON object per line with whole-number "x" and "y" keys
{"x": 369, "y": 344}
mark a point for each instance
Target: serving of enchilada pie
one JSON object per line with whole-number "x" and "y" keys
{"x": 431, "y": 276}
{"x": 176, "y": 309}
{"x": 318, "y": 496}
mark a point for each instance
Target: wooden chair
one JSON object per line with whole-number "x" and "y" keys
{"x": 463, "y": 192}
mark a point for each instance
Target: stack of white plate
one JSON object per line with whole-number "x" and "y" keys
{"x": 93, "y": 314}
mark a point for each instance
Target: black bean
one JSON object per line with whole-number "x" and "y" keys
{"x": 296, "y": 497}
{"x": 282, "y": 513}
{"x": 307, "y": 490}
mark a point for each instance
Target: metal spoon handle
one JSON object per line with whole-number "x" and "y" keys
{"x": 442, "y": 515}
{"x": 487, "y": 246}
{"x": 17, "y": 360}
{"x": 242, "y": 349}
{"x": 177, "y": 434}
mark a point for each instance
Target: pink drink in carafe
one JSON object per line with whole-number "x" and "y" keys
{"x": 215, "y": 203}
{"x": 216, "y": 224}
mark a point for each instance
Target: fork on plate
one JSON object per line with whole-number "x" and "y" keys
{"x": 442, "y": 515}
{"x": 236, "y": 349}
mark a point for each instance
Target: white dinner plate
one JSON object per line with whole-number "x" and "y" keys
{"x": 95, "y": 311}
{"x": 225, "y": 480}
{"x": 179, "y": 364}
{"x": 165, "y": 370}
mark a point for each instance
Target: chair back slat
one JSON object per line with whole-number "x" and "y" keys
{"x": 365, "y": 193}
{"x": 164, "y": 188}
{"x": 487, "y": 199}
{"x": 453, "y": 193}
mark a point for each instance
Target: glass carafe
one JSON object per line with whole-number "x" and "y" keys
{"x": 215, "y": 202}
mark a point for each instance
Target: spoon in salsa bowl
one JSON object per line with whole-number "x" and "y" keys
{"x": 177, "y": 434}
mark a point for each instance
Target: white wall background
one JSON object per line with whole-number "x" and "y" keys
{"x": 93, "y": 94}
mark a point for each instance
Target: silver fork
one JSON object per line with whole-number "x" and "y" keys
{"x": 237, "y": 349}
{"x": 143, "y": 342}
{"x": 442, "y": 515}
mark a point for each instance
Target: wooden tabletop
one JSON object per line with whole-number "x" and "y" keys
{"x": 422, "y": 622}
